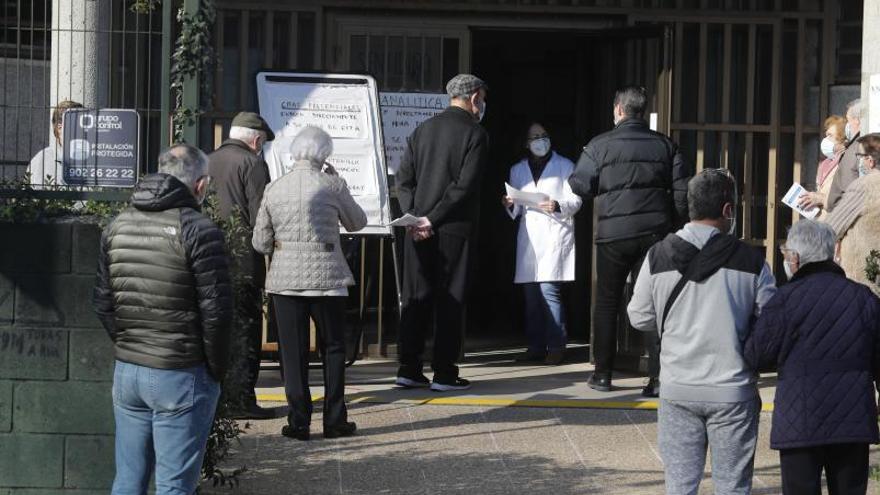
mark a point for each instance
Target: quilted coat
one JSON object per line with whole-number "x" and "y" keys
{"x": 163, "y": 291}
{"x": 820, "y": 332}
{"x": 298, "y": 226}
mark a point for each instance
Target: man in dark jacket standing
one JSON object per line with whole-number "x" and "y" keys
{"x": 821, "y": 332}
{"x": 640, "y": 180}
{"x": 163, "y": 294}
{"x": 240, "y": 175}
{"x": 438, "y": 182}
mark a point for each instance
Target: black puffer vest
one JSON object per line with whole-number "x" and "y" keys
{"x": 163, "y": 281}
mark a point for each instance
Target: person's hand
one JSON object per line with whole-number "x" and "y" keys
{"x": 810, "y": 200}
{"x": 329, "y": 170}
{"x": 548, "y": 206}
{"x": 506, "y": 201}
{"x": 422, "y": 230}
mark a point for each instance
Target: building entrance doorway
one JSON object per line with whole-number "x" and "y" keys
{"x": 566, "y": 81}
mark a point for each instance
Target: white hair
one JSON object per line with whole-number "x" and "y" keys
{"x": 312, "y": 144}
{"x": 187, "y": 163}
{"x": 813, "y": 241}
{"x": 245, "y": 134}
{"x": 855, "y": 109}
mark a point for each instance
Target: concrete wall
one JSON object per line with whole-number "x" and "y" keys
{"x": 56, "y": 364}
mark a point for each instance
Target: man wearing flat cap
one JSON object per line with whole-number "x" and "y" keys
{"x": 239, "y": 176}
{"x": 438, "y": 182}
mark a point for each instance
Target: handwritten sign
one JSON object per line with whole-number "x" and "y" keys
{"x": 347, "y": 107}
{"x": 350, "y": 167}
{"x": 342, "y": 120}
{"x": 401, "y": 114}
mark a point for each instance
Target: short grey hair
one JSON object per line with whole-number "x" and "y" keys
{"x": 633, "y": 100}
{"x": 187, "y": 163}
{"x": 855, "y": 109}
{"x": 312, "y": 144}
{"x": 813, "y": 241}
{"x": 708, "y": 192}
{"x": 245, "y": 134}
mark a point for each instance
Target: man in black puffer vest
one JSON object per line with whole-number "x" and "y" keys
{"x": 164, "y": 296}
{"x": 640, "y": 180}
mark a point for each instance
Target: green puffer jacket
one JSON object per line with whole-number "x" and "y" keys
{"x": 163, "y": 291}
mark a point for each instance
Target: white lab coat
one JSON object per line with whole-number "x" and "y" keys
{"x": 545, "y": 242}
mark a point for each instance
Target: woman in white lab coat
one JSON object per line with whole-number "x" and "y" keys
{"x": 545, "y": 243}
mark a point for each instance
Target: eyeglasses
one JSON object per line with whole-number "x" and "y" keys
{"x": 540, "y": 136}
{"x": 784, "y": 250}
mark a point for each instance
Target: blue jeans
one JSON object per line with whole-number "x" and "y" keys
{"x": 163, "y": 418}
{"x": 545, "y": 319}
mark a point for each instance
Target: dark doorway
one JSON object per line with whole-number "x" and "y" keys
{"x": 566, "y": 81}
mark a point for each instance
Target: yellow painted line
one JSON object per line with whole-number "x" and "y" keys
{"x": 647, "y": 405}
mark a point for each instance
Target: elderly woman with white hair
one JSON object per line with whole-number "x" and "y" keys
{"x": 298, "y": 226}
{"x": 821, "y": 332}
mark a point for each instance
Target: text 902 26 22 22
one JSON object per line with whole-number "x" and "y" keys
{"x": 99, "y": 176}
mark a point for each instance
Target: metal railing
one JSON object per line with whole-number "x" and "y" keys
{"x": 101, "y": 53}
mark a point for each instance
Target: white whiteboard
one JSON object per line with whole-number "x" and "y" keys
{"x": 401, "y": 114}
{"x": 347, "y": 107}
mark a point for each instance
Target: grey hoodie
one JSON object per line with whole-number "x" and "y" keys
{"x": 701, "y": 348}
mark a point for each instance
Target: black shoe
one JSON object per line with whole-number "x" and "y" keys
{"x": 413, "y": 381}
{"x": 554, "y": 358}
{"x": 652, "y": 389}
{"x": 341, "y": 430}
{"x": 297, "y": 432}
{"x": 253, "y": 411}
{"x": 450, "y": 385}
{"x": 600, "y": 381}
{"x": 531, "y": 357}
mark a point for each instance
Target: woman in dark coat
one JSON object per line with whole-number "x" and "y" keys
{"x": 820, "y": 331}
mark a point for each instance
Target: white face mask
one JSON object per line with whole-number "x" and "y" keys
{"x": 827, "y": 147}
{"x": 540, "y": 147}
{"x": 863, "y": 170}
{"x": 481, "y": 106}
{"x": 786, "y": 265}
{"x": 848, "y": 131}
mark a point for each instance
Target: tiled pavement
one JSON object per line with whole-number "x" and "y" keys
{"x": 489, "y": 440}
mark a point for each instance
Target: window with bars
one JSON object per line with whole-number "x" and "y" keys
{"x": 405, "y": 62}
{"x": 24, "y": 29}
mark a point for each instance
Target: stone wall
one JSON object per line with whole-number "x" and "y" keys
{"x": 56, "y": 364}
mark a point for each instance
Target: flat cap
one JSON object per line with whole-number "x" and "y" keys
{"x": 253, "y": 120}
{"x": 464, "y": 84}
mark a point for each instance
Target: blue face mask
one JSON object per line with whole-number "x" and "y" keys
{"x": 863, "y": 171}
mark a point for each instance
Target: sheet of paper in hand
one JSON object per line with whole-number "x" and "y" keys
{"x": 791, "y": 200}
{"x": 404, "y": 221}
{"x": 523, "y": 198}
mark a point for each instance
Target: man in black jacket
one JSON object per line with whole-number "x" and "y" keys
{"x": 239, "y": 176}
{"x": 640, "y": 180}
{"x": 438, "y": 182}
{"x": 164, "y": 296}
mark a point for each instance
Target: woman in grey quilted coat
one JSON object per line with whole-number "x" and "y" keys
{"x": 298, "y": 226}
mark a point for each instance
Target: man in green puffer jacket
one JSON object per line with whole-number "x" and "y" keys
{"x": 163, "y": 294}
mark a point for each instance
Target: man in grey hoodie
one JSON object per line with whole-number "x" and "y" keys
{"x": 701, "y": 289}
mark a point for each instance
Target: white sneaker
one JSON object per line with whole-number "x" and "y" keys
{"x": 413, "y": 382}
{"x": 458, "y": 384}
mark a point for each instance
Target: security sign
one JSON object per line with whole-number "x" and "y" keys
{"x": 101, "y": 147}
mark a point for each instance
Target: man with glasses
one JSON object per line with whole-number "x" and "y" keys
{"x": 640, "y": 180}
{"x": 699, "y": 291}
